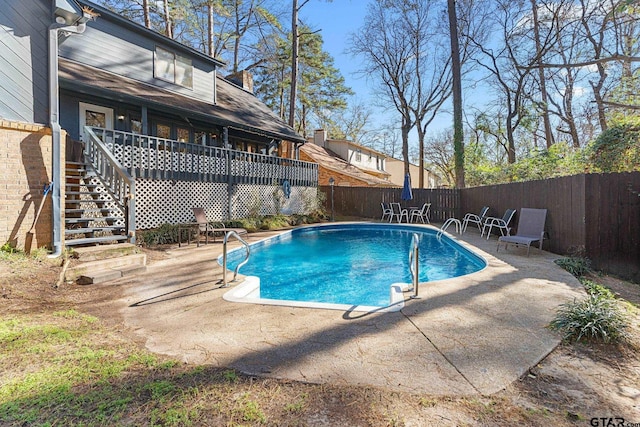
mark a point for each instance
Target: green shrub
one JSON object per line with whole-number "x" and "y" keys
{"x": 163, "y": 235}
{"x": 594, "y": 288}
{"x": 578, "y": 266}
{"x": 8, "y": 248}
{"x": 274, "y": 222}
{"x": 595, "y": 317}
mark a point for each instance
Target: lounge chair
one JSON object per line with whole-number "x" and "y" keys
{"x": 530, "y": 229}
{"x": 501, "y": 224}
{"x": 421, "y": 214}
{"x": 398, "y": 212}
{"x": 477, "y": 219}
{"x": 386, "y": 211}
{"x": 214, "y": 228}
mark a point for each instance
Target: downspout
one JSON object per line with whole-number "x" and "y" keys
{"x": 56, "y": 152}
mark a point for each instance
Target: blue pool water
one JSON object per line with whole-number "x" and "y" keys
{"x": 353, "y": 264}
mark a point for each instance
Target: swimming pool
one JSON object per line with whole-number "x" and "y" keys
{"x": 356, "y": 266}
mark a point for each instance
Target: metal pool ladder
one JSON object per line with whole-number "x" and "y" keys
{"x": 224, "y": 256}
{"x": 446, "y": 225}
{"x": 414, "y": 261}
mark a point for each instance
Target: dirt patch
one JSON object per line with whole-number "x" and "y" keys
{"x": 575, "y": 383}
{"x": 625, "y": 290}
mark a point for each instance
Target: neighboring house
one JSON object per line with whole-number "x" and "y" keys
{"x": 343, "y": 174}
{"x": 396, "y": 168}
{"x": 348, "y": 163}
{"x": 161, "y": 131}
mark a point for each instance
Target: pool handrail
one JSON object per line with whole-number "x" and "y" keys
{"x": 224, "y": 256}
{"x": 414, "y": 260}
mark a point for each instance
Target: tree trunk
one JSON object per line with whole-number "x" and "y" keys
{"x": 458, "y": 136}
{"x": 294, "y": 63}
{"x": 236, "y": 42}
{"x": 145, "y": 13}
{"x": 405, "y": 128}
{"x": 597, "y": 95}
{"x": 548, "y": 134}
{"x": 167, "y": 20}
{"x": 511, "y": 144}
{"x": 421, "y": 154}
{"x": 210, "y": 28}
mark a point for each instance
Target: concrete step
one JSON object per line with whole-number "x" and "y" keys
{"x": 109, "y": 274}
{"x": 103, "y": 270}
{"x": 98, "y": 253}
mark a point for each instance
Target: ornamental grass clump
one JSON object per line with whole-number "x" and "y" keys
{"x": 598, "y": 317}
{"x": 577, "y": 266}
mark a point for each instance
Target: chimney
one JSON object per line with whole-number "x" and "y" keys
{"x": 320, "y": 138}
{"x": 243, "y": 78}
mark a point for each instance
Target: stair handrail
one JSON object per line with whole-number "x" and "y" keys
{"x": 224, "y": 256}
{"x": 115, "y": 178}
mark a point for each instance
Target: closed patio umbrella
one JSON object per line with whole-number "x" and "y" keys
{"x": 406, "y": 190}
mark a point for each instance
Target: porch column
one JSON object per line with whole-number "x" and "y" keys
{"x": 145, "y": 120}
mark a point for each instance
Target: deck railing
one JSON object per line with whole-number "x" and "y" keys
{"x": 163, "y": 159}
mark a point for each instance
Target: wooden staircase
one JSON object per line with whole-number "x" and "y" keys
{"x": 91, "y": 215}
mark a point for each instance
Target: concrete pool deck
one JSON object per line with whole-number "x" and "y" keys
{"x": 471, "y": 335}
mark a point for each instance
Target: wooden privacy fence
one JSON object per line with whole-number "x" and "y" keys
{"x": 595, "y": 215}
{"x": 365, "y": 201}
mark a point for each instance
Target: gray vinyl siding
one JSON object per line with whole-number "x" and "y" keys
{"x": 24, "y": 60}
{"x": 128, "y": 53}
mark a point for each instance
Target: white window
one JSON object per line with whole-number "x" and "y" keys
{"x": 359, "y": 156}
{"x": 173, "y": 68}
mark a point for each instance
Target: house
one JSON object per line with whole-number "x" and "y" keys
{"x": 395, "y": 167}
{"x": 348, "y": 163}
{"x": 132, "y": 128}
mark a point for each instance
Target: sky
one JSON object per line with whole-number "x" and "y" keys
{"x": 337, "y": 20}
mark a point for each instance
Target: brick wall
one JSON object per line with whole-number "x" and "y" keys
{"x": 25, "y": 168}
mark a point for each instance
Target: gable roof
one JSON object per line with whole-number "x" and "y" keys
{"x": 330, "y": 160}
{"x": 235, "y": 107}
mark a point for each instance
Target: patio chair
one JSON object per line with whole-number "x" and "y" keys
{"x": 477, "y": 219}
{"x": 421, "y": 214}
{"x": 530, "y": 229}
{"x": 501, "y": 224}
{"x": 386, "y": 211}
{"x": 213, "y": 228}
{"x": 398, "y": 212}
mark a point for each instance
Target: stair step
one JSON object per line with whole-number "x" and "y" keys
{"x": 83, "y": 193}
{"x": 85, "y": 219}
{"x": 113, "y": 250}
{"x": 75, "y": 173}
{"x": 113, "y": 228}
{"x": 102, "y": 276}
{"x": 81, "y": 184}
{"x": 81, "y": 210}
{"x": 101, "y": 270}
{"x": 79, "y": 201}
{"x": 95, "y": 240}
{"x": 99, "y": 276}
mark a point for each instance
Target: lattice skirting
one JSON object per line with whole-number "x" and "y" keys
{"x": 161, "y": 202}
